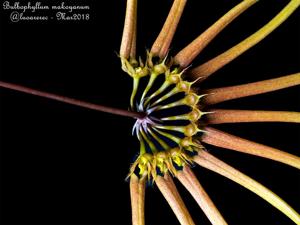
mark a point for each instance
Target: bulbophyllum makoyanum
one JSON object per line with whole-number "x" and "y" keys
{"x": 175, "y": 118}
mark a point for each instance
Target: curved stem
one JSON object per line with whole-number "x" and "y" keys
{"x": 221, "y": 60}
{"x": 210, "y": 162}
{"x": 71, "y": 101}
{"x": 219, "y": 116}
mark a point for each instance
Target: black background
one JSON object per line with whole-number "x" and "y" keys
{"x": 62, "y": 164}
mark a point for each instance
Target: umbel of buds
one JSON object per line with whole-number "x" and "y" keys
{"x": 171, "y": 131}
{"x": 169, "y": 113}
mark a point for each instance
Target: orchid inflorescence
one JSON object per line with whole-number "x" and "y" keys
{"x": 171, "y": 130}
{"x": 173, "y": 116}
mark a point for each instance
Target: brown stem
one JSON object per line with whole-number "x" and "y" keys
{"x": 71, "y": 101}
{"x": 224, "y": 140}
{"x": 217, "y": 95}
{"x": 219, "y": 116}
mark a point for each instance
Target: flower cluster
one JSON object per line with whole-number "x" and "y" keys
{"x": 168, "y": 110}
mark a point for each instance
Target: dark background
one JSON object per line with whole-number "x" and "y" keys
{"x": 62, "y": 164}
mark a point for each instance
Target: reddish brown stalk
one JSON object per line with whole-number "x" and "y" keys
{"x": 219, "y": 116}
{"x": 224, "y": 140}
{"x": 71, "y": 101}
{"x": 161, "y": 45}
{"x": 217, "y": 95}
{"x": 190, "y": 52}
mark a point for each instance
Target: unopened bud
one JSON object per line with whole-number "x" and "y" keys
{"x": 190, "y": 130}
{"x": 160, "y": 68}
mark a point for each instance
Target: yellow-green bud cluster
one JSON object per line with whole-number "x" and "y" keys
{"x": 164, "y": 145}
{"x": 165, "y": 161}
